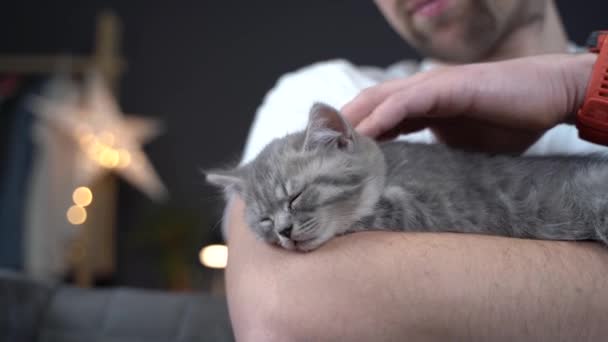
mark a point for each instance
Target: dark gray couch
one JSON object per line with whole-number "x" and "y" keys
{"x": 35, "y": 312}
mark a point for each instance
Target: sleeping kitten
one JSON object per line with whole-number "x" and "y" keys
{"x": 328, "y": 180}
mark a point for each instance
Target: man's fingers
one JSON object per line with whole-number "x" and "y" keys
{"x": 385, "y": 116}
{"x": 364, "y": 104}
{"x": 402, "y": 105}
{"x": 439, "y": 96}
{"x": 405, "y": 127}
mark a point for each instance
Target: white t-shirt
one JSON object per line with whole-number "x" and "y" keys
{"x": 285, "y": 108}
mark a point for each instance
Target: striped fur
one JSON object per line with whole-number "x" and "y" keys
{"x": 310, "y": 186}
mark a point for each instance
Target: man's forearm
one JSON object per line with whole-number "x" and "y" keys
{"x": 385, "y": 286}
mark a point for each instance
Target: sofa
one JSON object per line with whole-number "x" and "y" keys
{"x": 32, "y": 311}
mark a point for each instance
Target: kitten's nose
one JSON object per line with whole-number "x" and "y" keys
{"x": 286, "y": 232}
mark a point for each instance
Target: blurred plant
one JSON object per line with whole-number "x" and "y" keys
{"x": 176, "y": 234}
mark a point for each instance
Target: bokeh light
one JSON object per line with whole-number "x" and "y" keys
{"x": 101, "y": 149}
{"x": 82, "y": 196}
{"x": 76, "y": 215}
{"x": 214, "y": 256}
{"x": 108, "y": 157}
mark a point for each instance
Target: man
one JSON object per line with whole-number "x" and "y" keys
{"x": 384, "y": 286}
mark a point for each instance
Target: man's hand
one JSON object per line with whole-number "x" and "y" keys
{"x": 500, "y": 106}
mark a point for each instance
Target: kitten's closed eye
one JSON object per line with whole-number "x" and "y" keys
{"x": 266, "y": 223}
{"x": 293, "y": 202}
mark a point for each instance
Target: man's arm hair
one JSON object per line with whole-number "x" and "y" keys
{"x": 387, "y": 286}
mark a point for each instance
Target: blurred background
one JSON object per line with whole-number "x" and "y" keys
{"x": 199, "y": 69}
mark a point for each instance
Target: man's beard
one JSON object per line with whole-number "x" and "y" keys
{"x": 479, "y": 34}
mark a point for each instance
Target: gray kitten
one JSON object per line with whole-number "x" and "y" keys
{"x": 307, "y": 187}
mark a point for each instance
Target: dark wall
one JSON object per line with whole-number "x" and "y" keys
{"x": 203, "y": 67}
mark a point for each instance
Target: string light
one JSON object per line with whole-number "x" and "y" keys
{"x": 101, "y": 149}
{"x": 76, "y": 215}
{"x": 214, "y": 256}
{"x": 82, "y": 196}
{"x": 108, "y": 157}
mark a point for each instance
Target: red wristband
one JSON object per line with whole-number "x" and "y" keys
{"x": 592, "y": 117}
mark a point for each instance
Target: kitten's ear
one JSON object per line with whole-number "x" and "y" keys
{"x": 229, "y": 180}
{"x": 327, "y": 128}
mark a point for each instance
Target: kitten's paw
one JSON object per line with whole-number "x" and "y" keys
{"x": 305, "y": 245}
{"x": 310, "y": 245}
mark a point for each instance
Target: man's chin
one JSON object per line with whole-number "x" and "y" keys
{"x": 452, "y": 52}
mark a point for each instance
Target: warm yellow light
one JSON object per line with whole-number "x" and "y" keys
{"x": 124, "y": 158}
{"x": 108, "y": 157}
{"x": 214, "y": 256}
{"x": 107, "y": 138}
{"x": 76, "y": 215}
{"x": 82, "y": 196}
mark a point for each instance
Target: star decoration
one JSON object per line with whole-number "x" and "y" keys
{"x": 105, "y": 139}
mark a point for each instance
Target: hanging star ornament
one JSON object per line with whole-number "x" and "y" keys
{"x": 105, "y": 139}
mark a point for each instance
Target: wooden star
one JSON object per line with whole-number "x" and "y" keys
{"x": 105, "y": 139}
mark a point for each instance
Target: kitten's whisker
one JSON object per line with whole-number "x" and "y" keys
{"x": 217, "y": 224}
{"x": 308, "y": 225}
